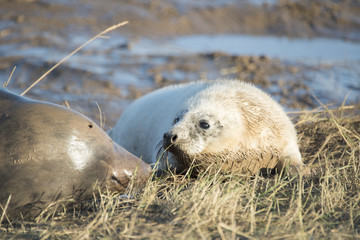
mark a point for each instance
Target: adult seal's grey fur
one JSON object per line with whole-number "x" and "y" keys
{"x": 225, "y": 123}
{"x": 48, "y": 152}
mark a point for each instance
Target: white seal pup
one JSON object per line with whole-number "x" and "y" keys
{"x": 227, "y": 123}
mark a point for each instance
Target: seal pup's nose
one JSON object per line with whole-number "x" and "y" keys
{"x": 169, "y": 138}
{"x": 173, "y": 138}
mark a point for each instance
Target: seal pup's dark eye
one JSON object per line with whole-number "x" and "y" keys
{"x": 176, "y": 120}
{"x": 204, "y": 125}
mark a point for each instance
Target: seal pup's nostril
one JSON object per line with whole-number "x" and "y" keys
{"x": 166, "y": 136}
{"x": 173, "y": 138}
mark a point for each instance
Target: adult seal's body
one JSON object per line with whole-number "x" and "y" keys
{"x": 225, "y": 123}
{"x": 48, "y": 152}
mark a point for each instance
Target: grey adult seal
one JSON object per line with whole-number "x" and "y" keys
{"x": 49, "y": 152}
{"x": 225, "y": 123}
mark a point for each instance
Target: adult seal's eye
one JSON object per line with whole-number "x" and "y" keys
{"x": 204, "y": 125}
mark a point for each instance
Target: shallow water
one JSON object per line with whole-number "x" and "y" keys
{"x": 332, "y": 66}
{"x": 317, "y": 49}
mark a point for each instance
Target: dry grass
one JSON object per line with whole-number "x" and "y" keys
{"x": 231, "y": 207}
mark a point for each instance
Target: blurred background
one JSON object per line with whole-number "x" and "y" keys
{"x": 304, "y": 52}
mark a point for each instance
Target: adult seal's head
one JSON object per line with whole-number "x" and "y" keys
{"x": 228, "y": 124}
{"x": 48, "y": 152}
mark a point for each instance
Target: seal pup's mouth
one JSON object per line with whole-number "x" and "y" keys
{"x": 170, "y": 144}
{"x": 169, "y": 158}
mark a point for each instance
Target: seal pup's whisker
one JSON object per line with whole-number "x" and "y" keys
{"x": 160, "y": 148}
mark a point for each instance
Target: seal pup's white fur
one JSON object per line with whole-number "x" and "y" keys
{"x": 225, "y": 122}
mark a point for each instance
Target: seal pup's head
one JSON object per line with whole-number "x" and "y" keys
{"x": 209, "y": 126}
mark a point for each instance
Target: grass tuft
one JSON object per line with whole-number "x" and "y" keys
{"x": 221, "y": 206}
